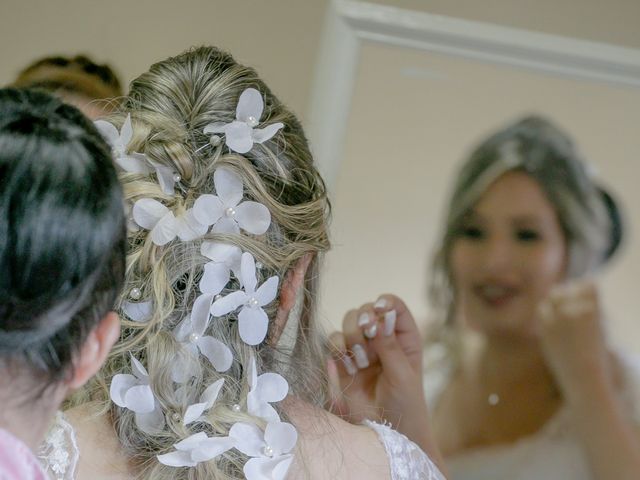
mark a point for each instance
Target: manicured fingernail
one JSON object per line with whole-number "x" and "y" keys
{"x": 389, "y": 322}
{"x": 371, "y": 331}
{"x": 349, "y": 366}
{"x": 363, "y": 319}
{"x": 361, "y": 357}
{"x": 381, "y": 303}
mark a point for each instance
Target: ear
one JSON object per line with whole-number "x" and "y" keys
{"x": 95, "y": 349}
{"x": 293, "y": 281}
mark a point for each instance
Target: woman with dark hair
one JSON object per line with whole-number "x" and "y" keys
{"x": 520, "y": 377}
{"x": 62, "y": 246}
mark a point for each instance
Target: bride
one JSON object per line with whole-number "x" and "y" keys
{"x": 218, "y": 372}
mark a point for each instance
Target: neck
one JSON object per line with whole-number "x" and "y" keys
{"x": 502, "y": 362}
{"x": 26, "y": 418}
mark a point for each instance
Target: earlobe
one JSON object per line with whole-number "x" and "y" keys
{"x": 95, "y": 350}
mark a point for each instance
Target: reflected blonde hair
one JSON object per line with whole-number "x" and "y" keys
{"x": 170, "y": 105}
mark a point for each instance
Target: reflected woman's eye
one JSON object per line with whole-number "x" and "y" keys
{"x": 527, "y": 235}
{"x": 471, "y": 232}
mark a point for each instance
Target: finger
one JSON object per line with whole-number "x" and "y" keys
{"x": 402, "y": 321}
{"x": 358, "y": 326}
{"x": 393, "y": 359}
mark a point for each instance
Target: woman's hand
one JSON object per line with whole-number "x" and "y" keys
{"x": 377, "y": 367}
{"x": 572, "y": 338}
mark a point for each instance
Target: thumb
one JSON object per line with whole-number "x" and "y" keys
{"x": 394, "y": 361}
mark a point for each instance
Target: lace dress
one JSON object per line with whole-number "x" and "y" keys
{"x": 59, "y": 453}
{"x": 554, "y": 452}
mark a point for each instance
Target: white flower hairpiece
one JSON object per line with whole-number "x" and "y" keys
{"x": 227, "y": 258}
{"x": 134, "y": 162}
{"x": 253, "y": 322}
{"x": 241, "y": 134}
{"x": 191, "y": 334}
{"x": 207, "y": 399}
{"x": 270, "y": 451}
{"x": 195, "y": 449}
{"x": 134, "y": 393}
{"x": 138, "y": 311}
{"x": 265, "y": 389}
{"x": 226, "y": 211}
{"x": 164, "y": 225}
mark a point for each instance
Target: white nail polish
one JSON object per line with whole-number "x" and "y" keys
{"x": 389, "y": 322}
{"x": 381, "y": 303}
{"x": 361, "y": 357}
{"x": 349, "y": 366}
{"x": 371, "y": 331}
{"x": 363, "y": 319}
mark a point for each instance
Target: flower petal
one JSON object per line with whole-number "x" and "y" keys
{"x": 140, "y": 399}
{"x": 193, "y": 412}
{"x": 215, "y": 127}
{"x": 177, "y": 459}
{"x": 280, "y": 436}
{"x": 268, "y": 291}
{"x": 189, "y": 228}
{"x": 200, "y": 314}
{"x": 126, "y": 132}
{"x": 151, "y": 423}
{"x": 208, "y": 209}
{"x": 271, "y": 387}
{"x": 261, "y": 135}
{"x": 210, "y": 395}
{"x": 147, "y": 212}
{"x": 281, "y": 469}
{"x": 212, "y": 447}
{"x": 263, "y": 410}
{"x": 248, "y": 273}
{"x": 253, "y": 217}
{"x": 253, "y": 324}
{"x": 262, "y": 468}
{"x": 165, "y": 177}
{"x": 138, "y": 369}
{"x": 120, "y": 384}
{"x": 238, "y": 137}
{"x": 228, "y": 303}
{"x": 165, "y": 230}
{"x": 191, "y": 442}
{"x": 250, "y": 104}
{"x": 108, "y": 131}
{"x": 138, "y": 311}
{"x": 220, "y": 252}
{"x": 133, "y": 163}
{"x": 228, "y": 186}
{"x": 215, "y": 277}
{"x": 216, "y": 352}
{"x": 226, "y": 225}
{"x": 248, "y": 438}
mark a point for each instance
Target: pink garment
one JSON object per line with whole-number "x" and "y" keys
{"x": 17, "y": 461}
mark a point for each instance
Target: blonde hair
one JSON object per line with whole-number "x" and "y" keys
{"x": 169, "y": 106}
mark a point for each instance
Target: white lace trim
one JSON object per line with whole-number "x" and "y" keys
{"x": 58, "y": 453}
{"x": 406, "y": 460}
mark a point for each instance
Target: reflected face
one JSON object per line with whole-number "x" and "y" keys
{"x": 508, "y": 253}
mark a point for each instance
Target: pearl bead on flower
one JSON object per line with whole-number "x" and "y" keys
{"x": 253, "y": 302}
{"x": 215, "y": 140}
{"x": 252, "y": 121}
{"x": 194, "y": 337}
{"x": 268, "y": 451}
{"x": 217, "y": 297}
{"x": 176, "y": 177}
{"x": 235, "y": 407}
{"x": 230, "y": 212}
{"x": 175, "y": 417}
{"x": 135, "y": 293}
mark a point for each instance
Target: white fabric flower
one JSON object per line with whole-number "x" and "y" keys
{"x": 207, "y": 399}
{"x": 271, "y": 450}
{"x": 134, "y": 162}
{"x": 241, "y": 134}
{"x": 265, "y": 389}
{"x": 138, "y": 311}
{"x": 226, "y": 211}
{"x": 134, "y": 393}
{"x": 253, "y": 321}
{"x": 164, "y": 225}
{"x": 224, "y": 258}
{"x": 195, "y": 449}
{"x": 191, "y": 333}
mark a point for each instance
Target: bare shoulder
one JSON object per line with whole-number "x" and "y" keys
{"x": 330, "y": 448}
{"x": 100, "y": 454}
